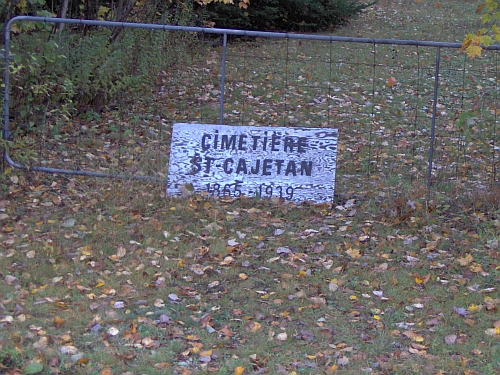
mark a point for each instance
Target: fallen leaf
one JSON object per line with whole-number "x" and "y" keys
{"x": 33, "y": 368}
{"x": 391, "y": 81}
{"x": 343, "y": 361}
{"x": 68, "y": 349}
{"x": 252, "y": 326}
{"x": 450, "y": 339}
{"x": 282, "y": 337}
{"x": 353, "y": 253}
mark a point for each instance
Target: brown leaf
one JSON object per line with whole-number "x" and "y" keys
{"x": 54, "y": 361}
{"x": 391, "y": 81}
{"x": 318, "y": 301}
{"x": 83, "y": 361}
{"x": 156, "y": 224}
{"x": 450, "y": 339}
{"x": 226, "y": 332}
{"x": 205, "y": 319}
{"x": 252, "y": 326}
{"x": 58, "y": 321}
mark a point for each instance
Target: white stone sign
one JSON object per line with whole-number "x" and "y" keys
{"x": 296, "y": 164}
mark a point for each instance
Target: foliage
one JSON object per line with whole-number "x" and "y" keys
{"x": 474, "y": 42}
{"x": 53, "y": 78}
{"x": 285, "y": 15}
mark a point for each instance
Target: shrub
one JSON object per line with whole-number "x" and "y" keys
{"x": 54, "y": 77}
{"x": 285, "y": 15}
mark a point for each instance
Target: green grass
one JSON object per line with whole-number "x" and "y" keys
{"x": 321, "y": 294}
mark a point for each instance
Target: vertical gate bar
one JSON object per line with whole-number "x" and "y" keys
{"x": 433, "y": 126}
{"x": 495, "y": 128}
{"x": 6, "y": 130}
{"x": 222, "y": 79}
{"x": 372, "y": 112}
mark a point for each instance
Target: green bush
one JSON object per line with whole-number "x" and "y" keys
{"x": 285, "y": 15}
{"x": 55, "y": 77}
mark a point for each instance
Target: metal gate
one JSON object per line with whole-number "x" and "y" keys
{"x": 407, "y": 111}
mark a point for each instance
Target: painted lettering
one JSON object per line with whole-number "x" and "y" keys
{"x": 291, "y": 168}
{"x": 289, "y": 144}
{"x": 302, "y": 145}
{"x": 216, "y": 139}
{"x": 228, "y": 142}
{"x": 242, "y": 166}
{"x": 255, "y": 169}
{"x": 208, "y": 163}
{"x": 204, "y": 145}
{"x": 242, "y": 142}
{"x": 196, "y": 163}
{"x": 226, "y": 167}
{"x": 275, "y": 142}
{"x": 306, "y": 167}
{"x": 266, "y": 166}
{"x": 279, "y": 164}
{"x": 255, "y": 140}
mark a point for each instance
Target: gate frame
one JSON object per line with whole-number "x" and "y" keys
{"x": 6, "y": 133}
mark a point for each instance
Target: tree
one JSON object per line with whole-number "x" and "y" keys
{"x": 474, "y": 43}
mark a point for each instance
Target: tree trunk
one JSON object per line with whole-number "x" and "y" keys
{"x": 62, "y": 14}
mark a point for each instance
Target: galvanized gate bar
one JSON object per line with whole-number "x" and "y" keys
{"x": 206, "y": 30}
{"x": 433, "y": 124}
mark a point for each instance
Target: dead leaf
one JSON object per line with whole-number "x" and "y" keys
{"x": 353, "y": 253}
{"x": 282, "y": 337}
{"x": 252, "y": 326}
{"x": 450, "y": 339}
{"x": 58, "y": 321}
{"x": 391, "y": 81}
{"x": 343, "y": 361}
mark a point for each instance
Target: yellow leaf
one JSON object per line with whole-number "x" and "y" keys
{"x": 99, "y": 284}
{"x": 253, "y": 326}
{"x": 465, "y": 261}
{"x": 83, "y": 361}
{"x": 58, "y": 321}
{"x": 334, "y": 368}
{"x": 353, "y": 253}
{"x": 476, "y": 268}
{"x": 243, "y": 276}
{"x": 86, "y": 250}
{"x": 180, "y": 263}
{"x": 239, "y": 370}
{"x": 473, "y": 308}
{"x": 474, "y": 51}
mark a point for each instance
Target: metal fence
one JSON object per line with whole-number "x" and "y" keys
{"x": 413, "y": 113}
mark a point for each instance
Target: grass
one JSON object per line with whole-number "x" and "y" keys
{"x": 109, "y": 276}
